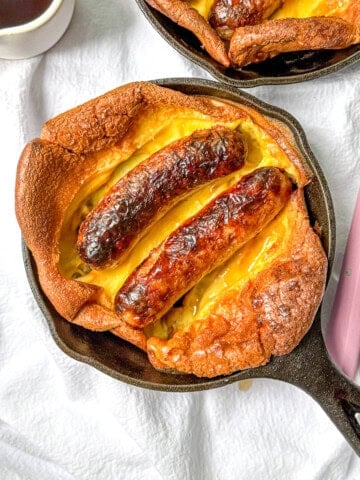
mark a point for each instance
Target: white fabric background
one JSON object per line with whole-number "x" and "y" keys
{"x": 60, "y": 419}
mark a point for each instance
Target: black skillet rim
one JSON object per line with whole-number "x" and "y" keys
{"x": 194, "y": 86}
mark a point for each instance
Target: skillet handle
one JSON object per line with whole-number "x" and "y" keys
{"x": 336, "y": 395}
{"x": 310, "y": 368}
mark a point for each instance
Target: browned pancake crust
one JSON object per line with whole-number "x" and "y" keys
{"x": 253, "y": 44}
{"x": 52, "y": 169}
{"x": 185, "y": 16}
{"x": 256, "y": 38}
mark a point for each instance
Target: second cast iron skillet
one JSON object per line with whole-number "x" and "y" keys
{"x": 307, "y": 367}
{"x": 286, "y": 68}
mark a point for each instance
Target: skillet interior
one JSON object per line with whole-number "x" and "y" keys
{"x": 120, "y": 359}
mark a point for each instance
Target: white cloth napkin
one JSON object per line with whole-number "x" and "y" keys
{"x": 60, "y": 419}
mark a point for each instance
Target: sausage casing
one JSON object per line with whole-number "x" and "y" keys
{"x": 201, "y": 244}
{"x": 227, "y": 15}
{"x": 149, "y": 190}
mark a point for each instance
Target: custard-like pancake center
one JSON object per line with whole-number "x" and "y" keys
{"x": 154, "y": 130}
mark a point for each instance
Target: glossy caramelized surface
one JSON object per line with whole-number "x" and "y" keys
{"x": 151, "y": 132}
{"x": 231, "y": 277}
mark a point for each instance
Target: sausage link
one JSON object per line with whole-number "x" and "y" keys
{"x": 152, "y": 188}
{"x": 227, "y": 15}
{"x": 201, "y": 244}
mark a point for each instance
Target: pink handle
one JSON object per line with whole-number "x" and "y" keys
{"x": 343, "y": 338}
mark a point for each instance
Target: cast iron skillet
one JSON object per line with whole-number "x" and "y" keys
{"x": 307, "y": 367}
{"x": 285, "y": 68}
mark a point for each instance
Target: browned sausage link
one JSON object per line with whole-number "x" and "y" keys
{"x": 227, "y": 15}
{"x": 152, "y": 188}
{"x": 256, "y": 43}
{"x": 201, "y": 244}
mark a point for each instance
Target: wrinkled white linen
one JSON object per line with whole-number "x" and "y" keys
{"x": 60, "y": 419}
